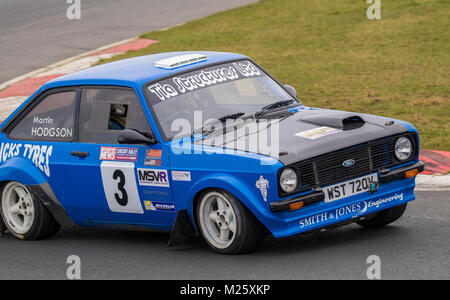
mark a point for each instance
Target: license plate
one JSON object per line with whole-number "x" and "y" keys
{"x": 349, "y": 188}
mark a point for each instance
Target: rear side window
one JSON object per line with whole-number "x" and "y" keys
{"x": 53, "y": 119}
{"x": 105, "y": 112}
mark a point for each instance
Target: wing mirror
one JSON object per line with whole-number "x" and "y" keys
{"x": 291, "y": 90}
{"x": 131, "y": 137}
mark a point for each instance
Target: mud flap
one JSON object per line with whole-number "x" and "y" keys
{"x": 44, "y": 193}
{"x": 2, "y": 226}
{"x": 182, "y": 231}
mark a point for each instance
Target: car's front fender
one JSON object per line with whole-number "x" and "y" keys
{"x": 233, "y": 185}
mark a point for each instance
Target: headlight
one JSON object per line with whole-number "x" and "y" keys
{"x": 403, "y": 148}
{"x": 288, "y": 180}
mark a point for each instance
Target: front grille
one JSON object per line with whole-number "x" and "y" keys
{"x": 369, "y": 157}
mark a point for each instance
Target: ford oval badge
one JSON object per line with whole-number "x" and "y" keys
{"x": 348, "y": 163}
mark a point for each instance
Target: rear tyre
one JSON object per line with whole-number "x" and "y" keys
{"x": 25, "y": 216}
{"x": 384, "y": 217}
{"x": 2, "y": 224}
{"x": 227, "y": 226}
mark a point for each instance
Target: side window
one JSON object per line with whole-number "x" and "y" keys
{"x": 53, "y": 119}
{"x": 104, "y": 112}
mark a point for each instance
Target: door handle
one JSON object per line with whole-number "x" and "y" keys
{"x": 79, "y": 153}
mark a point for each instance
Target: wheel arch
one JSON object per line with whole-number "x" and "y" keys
{"x": 23, "y": 171}
{"x": 230, "y": 185}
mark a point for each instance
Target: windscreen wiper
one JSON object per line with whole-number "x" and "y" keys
{"x": 231, "y": 117}
{"x": 222, "y": 120}
{"x": 273, "y": 106}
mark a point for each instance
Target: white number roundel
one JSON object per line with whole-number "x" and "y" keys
{"x": 119, "y": 183}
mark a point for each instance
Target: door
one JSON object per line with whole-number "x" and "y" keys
{"x": 118, "y": 184}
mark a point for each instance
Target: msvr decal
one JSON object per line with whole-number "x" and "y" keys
{"x": 153, "y": 177}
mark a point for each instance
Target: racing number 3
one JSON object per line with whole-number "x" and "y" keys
{"x": 122, "y": 200}
{"x": 119, "y": 184}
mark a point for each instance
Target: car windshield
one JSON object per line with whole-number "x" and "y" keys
{"x": 186, "y": 102}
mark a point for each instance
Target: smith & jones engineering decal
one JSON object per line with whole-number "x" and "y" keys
{"x": 121, "y": 154}
{"x": 195, "y": 80}
{"x": 354, "y": 210}
{"x": 153, "y": 177}
{"x": 39, "y": 155}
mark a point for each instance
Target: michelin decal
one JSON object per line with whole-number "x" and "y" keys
{"x": 39, "y": 155}
{"x": 354, "y": 210}
{"x": 159, "y": 206}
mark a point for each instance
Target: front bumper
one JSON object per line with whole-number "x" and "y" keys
{"x": 394, "y": 190}
{"x": 318, "y": 196}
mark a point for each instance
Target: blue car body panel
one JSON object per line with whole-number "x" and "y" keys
{"x": 77, "y": 182}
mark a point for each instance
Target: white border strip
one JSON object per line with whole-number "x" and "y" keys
{"x": 433, "y": 182}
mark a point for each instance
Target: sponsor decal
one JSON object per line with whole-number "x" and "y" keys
{"x": 153, "y": 177}
{"x": 115, "y": 153}
{"x": 204, "y": 78}
{"x": 152, "y": 162}
{"x": 263, "y": 185}
{"x": 319, "y": 132}
{"x": 39, "y": 155}
{"x": 355, "y": 210}
{"x": 181, "y": 176}
{"x": 155, "y": 193}
{"x": 159, "y": 206}
{"x": 153, "y": 153}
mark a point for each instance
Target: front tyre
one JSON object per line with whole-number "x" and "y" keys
{"x": 25, "y": 216}
{"x": 227, "y": 226}
{"x": 384, "y": 217}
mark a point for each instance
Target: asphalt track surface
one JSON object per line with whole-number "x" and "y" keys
{"x": 415, "y": 247}
{"x": 35, "y": 34}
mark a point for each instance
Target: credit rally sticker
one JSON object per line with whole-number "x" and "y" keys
{"x": 116, "y": 153}
{"x": 319, "y": 132}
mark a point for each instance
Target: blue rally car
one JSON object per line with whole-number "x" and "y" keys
{"x": 197, "y": 143}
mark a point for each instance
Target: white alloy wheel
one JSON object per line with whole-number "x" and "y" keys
{"x": 218, "y": 220}
{"x": 18, "y": 208}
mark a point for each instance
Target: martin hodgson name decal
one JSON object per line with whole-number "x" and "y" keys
{"x": 39, "y": 155}
{"x": 203, "y": 78}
